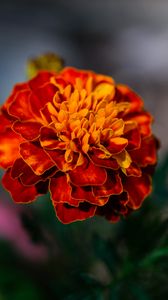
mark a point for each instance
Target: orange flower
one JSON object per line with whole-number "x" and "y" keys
{"x": 82, "y": 137}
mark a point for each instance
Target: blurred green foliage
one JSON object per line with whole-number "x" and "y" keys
{"x": 48, "y": 62}
{"x": 93, "y": 260}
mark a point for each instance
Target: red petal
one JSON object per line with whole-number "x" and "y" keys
{"x": 35, "y": 157}
{"x": 27, "y": 176}
{"x": 88, "y": 175}
{"x": 60, "y": 190}
{"x": 86, "y": 194}
{"x": 116, "y": 145}
{"x": 138, "y": 189}
{"x": 58, "y": 156}
{"x": 42, "y": 78}
{"x": 144, "y": 120}
{"x": 115, "y": 207}
{"x": 134, "y": 139}
{"x": 95, "y": 156}
{"x": 4, "y": 123}
{"x": 112, "y": 186}
{"x": 9, "y": 147}
{"x": 28, "y": 130}
{"x": 17, "y": 88}
{"x": 20, "y": 107}
{"x": 71, "y": 74}
{"x": 19, "y": 193}
{"x": 125, "y": 94}
{"x": 22, "y": 170}
{"x": 133, "y": 170}
{"x": 41, "y": 96}
{"x": 68, "y": 214}
{"x": 48, "y": 139}
{"x": 146, "y": 154}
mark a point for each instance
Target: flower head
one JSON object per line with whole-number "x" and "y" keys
{"x": 81, "y": 136}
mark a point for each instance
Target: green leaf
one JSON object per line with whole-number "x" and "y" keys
{"x": 48, "y": 62}
{"x": 151, "y": 258}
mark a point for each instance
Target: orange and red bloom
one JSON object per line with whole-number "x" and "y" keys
{"x": 81, "y": 136}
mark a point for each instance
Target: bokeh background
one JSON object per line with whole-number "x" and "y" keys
{"x": 40, "y": 258}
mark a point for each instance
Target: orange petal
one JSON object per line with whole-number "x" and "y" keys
{"x": 35, "y": 157}
{"x": 112, "y": 186}
{"x": 60, "y": 190}
{"x": 146, "y": 154}
{"x": 9, "y": 147}
{"x": 88, "y": 175}
{"x": 116, "y": 145}
{"x": 28, "y": 130}
{"x": 138, "y": 189}
{"x": 68, "y": 214}
{"x": 19, "y": 192}
{"x": 48, "y": 139}
{"x": 20, "y": 107}
{"x": 86, "y": 194}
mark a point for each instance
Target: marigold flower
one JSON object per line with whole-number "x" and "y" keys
{"x": 81, "y": 136}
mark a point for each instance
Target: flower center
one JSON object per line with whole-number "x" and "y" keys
{"x": 84, "y": 116}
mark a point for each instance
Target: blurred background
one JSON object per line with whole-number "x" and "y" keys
{"x": 39, "y": 257}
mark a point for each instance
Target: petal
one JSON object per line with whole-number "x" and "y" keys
{"x": 19, "y": 192}
{"x": 96, "y": 156}
{"x": 112, "y": 186}
{"x": 42, "y": 187}
{"x": 146, "y": 154}
{"x": 144, "y": 120}
{"x": 22, "y": 170}
{"x": 60, "y": 190}
{"x": 117, "y": 144}
{"x": 86, "y": 194}
{"x": 68, "y": 214}
{"x": 71, "y": 74}
{"x": 115, "y": 207}
{"x": 133, "y": 170}
{"x": 134, "y": 139}
{"x": 4, "y": 123}
{"x": 40, "y": 97}
{"x": 123, "y": 159}
{"x": 28, "y": 130}
{"x": 138, "y": 189}
{"x": 9, "y": 147}
{"x": 41, "y": 79}
{"x": 58, "y": 156}
{"x": 20, "y": 107}
{"x": 128, "y": 95}
{"x": 17, "y": 88}
{"x": 35, "y": 157}
{"x": 48, "y": 139}
{"x": 89, "y": 174}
